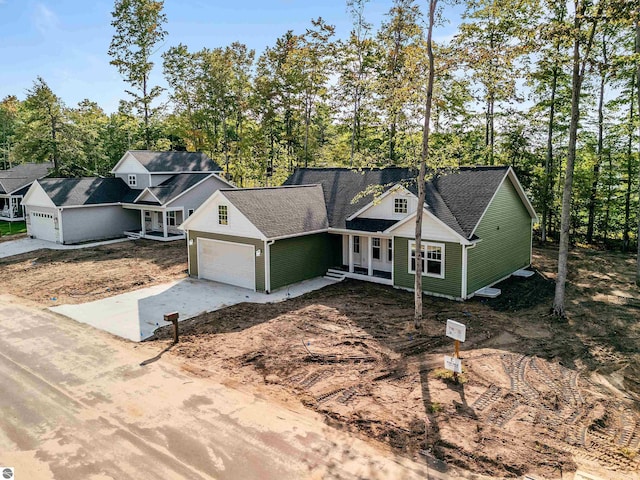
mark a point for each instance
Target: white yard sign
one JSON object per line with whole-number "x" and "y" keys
{"x": 452, "y": 363}
{"x": 456, "y": 330}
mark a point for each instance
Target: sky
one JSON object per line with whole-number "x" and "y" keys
{"x": 66, "y": 41}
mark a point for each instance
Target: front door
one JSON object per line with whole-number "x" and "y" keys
{"x": 156, "y": 221}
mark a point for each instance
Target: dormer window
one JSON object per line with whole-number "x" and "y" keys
{"x": 133, "y": 180}
{"x": 400, "y": 205}
{"x": 223, "y": 215}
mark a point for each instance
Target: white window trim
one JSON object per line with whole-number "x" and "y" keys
{"x": 227, "y": 215}
{"x": 132, "y": 180}
{"x": 356, "y": 244}
{"x": 171, "y": 216}
{"x": 378, "y": 247}
{"x": 390, "y": 250}
{"x": 405, "y": 205}
{"x": 412, "y": 245}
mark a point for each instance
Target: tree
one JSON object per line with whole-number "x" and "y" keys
{"x": 637, "y": 61}
{"x": 44, "y": 118}
{"x": 9, "y": 110}
{"x": 138, "y": 25}
{"x": 581, "y": 55}
{"x": 423, "y": 167}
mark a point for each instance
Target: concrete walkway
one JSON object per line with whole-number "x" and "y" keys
{"x": 136, "y": 315}
{"x": 26, "y": 245}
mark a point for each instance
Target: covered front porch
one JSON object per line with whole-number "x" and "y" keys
{"x": 367, "y": 256}
{"x": 11, "y": 209}
{"x": 159, "y": 224}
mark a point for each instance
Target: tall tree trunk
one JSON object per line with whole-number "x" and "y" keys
{"x": 637, "y": 52}
{"x": 609, "y": 196}
{"x": 548, "y": 164}
{"x": 423, "y": 169}
{"x": 596, "y": 166}
{"x": 627, "y": 196}
{"x": 579, "y": 65}
{"x": 145, "y": 101}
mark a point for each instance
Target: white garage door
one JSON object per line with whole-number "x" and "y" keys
{"x": 43, "y": 226}
{"x": 225, "y": 262}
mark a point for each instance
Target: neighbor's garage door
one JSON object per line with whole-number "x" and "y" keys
{"x": 225, "y": 262}
{"x": 43, "y": 226}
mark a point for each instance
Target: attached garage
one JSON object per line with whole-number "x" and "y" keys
{"x": 227, "y": 262}
{"x": 42, "y": 225}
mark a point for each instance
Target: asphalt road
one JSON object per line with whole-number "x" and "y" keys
{"x": 75, "y": 403}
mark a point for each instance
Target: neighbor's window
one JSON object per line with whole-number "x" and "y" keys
{"x": 356, "y": 244}
{"x": 434, "y": 266}
{"x": 400, "y": 205}
{"x": 133, "y": 180}
{"x": 376, "y": 248}
{"x": 390, "y": 250}
{"x": 171, "y": 219}
{"x": 223, "y": 215}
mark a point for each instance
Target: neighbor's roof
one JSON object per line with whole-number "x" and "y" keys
{"x": 175, "y": 161}
{"x": 458, "y": 199}
{"x": 282, "y": 211}
{"x": 23, "y": 175}
{"x": 67, "y": 192}
{"x": 176, "y": 185}
{"x": 341, "y": 185}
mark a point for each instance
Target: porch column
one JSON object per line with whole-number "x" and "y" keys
{"x": 370, "y": 255}
{"x": 350, "y": 253}
{"x": 164, "y": 224}
{"x": 11, "y": 206}
{"x": 144, "y": 230}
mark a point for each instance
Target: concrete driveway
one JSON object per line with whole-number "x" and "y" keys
{"x": 26, "y": 245}
{"x": 77, "y": 404}
{"x": 136, "y": 315}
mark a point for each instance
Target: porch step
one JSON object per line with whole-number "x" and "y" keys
{"x": 524, "y": 273}
{"x": 134, "y": 236}
{"x": 488, "y": 292}
{"x": 335, "y": 275}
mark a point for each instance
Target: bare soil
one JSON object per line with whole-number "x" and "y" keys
{"x": 538, "y": 394}
{"x": 53, "y": 277}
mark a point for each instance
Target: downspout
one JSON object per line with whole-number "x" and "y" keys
{"x": 267, "y": 265}
{"x": 60, "y": 233}
{"x": 465, "y": 269}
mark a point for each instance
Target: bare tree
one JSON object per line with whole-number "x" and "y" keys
{"x": 419, "y": 255}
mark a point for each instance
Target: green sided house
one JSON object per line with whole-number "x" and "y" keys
{"x": 477, "y": 230}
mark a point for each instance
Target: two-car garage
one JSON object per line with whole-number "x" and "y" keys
{"x": 227, "y": 262}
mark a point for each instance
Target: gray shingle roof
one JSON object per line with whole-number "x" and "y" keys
{"x": 279, "y": 211}
{"x": 458, "y": 199}
{"x": 174, "y": 186}
{"x": 175, "y": 161}
{"x": 23, "y": 175}
{"x": 341, "y": 185}
{"x": 66, "y": 192}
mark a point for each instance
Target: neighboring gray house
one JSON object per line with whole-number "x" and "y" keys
{"x": 151, "y": 194}
{"x": 476, "y": 231}
{"x": 14, "y": 184}
{"x": 74, "y": 210}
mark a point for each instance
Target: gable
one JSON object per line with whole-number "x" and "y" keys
{"x": 205, "y": 219}
{"x": 198, "y": 193}
{"x": 129, "y": 164}
{"x": 37, "y": 197}
{"x": 432, "y": 229}
{"x": 384, "y": 207}
{"x": 147, "y": 196}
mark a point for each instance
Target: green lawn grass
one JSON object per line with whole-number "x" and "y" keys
{"x": 12, "y": 228}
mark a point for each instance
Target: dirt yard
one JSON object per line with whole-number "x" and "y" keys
{"x": 538, "y": 395}
{"x": 55, "y": 277}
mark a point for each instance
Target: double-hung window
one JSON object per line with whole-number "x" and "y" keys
{"x": 432, "y": 258}
{"x": 223, "y": 215}
{"x": 171, "y": 219}
{"x": 132, "y": 180}
{"x": 376, "y": 248}
{"x": 390, "y": 250}
{"x": 356, "y": 244}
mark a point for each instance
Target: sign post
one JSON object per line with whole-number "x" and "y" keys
{"x": 457, "y": 331}
{"x": 173, "y": 318}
